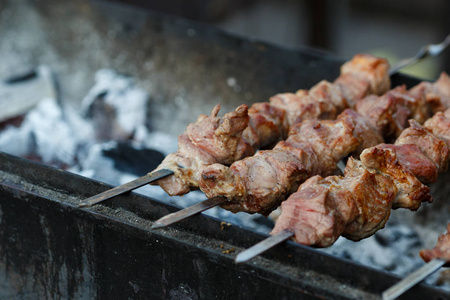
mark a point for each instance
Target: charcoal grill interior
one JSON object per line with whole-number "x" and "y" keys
{"x": 50, "y": 247}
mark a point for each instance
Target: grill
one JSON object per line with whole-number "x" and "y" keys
{"x": 51, "y": 248}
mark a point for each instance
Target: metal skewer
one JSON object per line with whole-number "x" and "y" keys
{"x": 425, "y": 51}
{"x": 129, "y": 186}
{"x": 263, "y": 246}
{"x": 412, "y": 279}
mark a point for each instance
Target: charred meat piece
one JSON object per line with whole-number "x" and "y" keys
{"x": 372, "y": 69}
{"x": 323, "y": 209}
{"x": 439, "y": 124}
{"x": 410, "y": 191}
{"x": 267, "y": 125}
{"x": 420, "y": 165}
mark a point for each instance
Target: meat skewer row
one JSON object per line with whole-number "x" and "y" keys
{"x": 240, "y": 133}
{"x": 435, "y": 258}
{"x": 258, "y": 184}
{"x": 359, "y": 204}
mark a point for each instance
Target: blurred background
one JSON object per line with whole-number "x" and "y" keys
{"x": 392, "y": 29}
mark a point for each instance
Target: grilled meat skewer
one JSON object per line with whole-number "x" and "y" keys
{"x": 259, "y": 183}
{"x": 240, "y": 133}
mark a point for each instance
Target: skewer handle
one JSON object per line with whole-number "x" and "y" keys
{"x": 263, "y": 246}
{"x": 412, "y": 279}
{"x": 425, "y": 51}
{"x": 129, "y": 186}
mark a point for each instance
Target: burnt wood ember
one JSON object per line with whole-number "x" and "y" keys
{"x": 435, "y": 258}
{"x": 22, "y": 92}
{"x": 130, "y": 160}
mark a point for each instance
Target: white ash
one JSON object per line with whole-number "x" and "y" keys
{"x": 16, "y": 141}
{"x": 159, "y": 141}
{"x": 22, "y": 95}
{"x": 48, "y": 132}
{"x": 120, "y": 94}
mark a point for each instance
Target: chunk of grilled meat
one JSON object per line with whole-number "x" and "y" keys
{"x": 366, "y": 66}
{"x": 207, "y": 141}
{"x": 322, "y": 209}
{"x": 359, "y": 204}
{"x": 267, "y": 123}
{"x": 441, "y": 250}
{"x": 410, "y": 191}
{"x": 391, "y": 111}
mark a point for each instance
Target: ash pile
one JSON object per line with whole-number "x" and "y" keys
{"x": 109, "y": 139}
